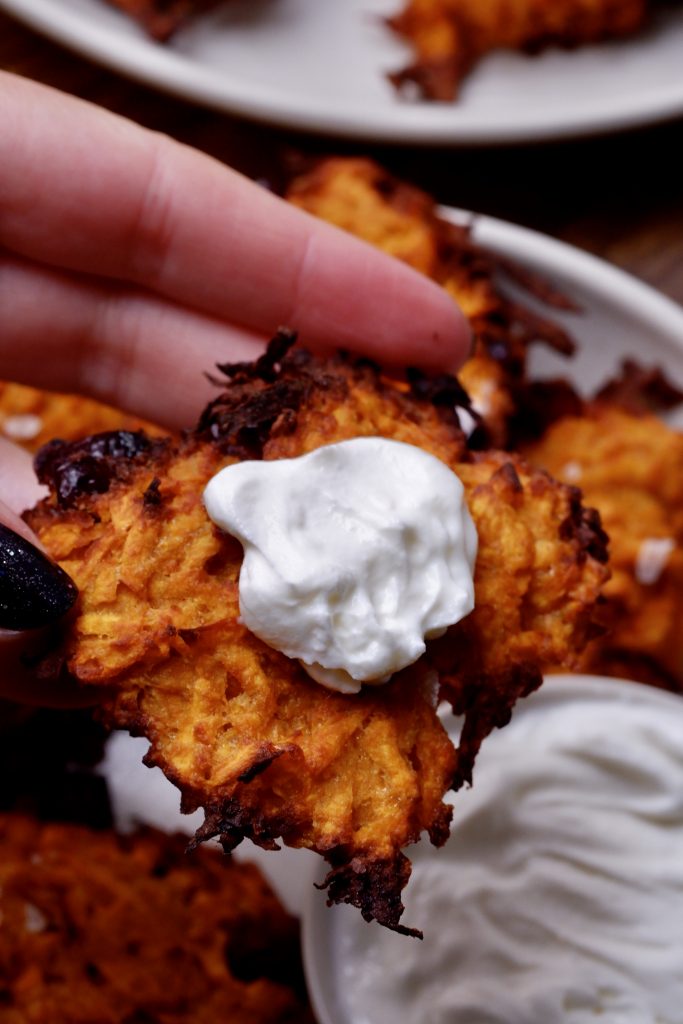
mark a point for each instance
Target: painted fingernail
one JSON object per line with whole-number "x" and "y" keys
{"x": 34, "y": 591}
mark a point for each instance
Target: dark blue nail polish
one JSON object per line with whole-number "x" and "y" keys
{"x": 34, "y": 591}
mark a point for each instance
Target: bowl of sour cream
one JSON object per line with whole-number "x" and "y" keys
{"x": 558, "y": 898}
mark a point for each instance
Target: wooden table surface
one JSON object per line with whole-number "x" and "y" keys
{"x": 618, "y": 196}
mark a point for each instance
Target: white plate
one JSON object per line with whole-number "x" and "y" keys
{"x": 320, "y": 65}
{"x": 621, "y": 317}
{"x": 589, "y": 952}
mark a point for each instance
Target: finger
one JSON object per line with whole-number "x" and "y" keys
{"x": 128, "y": 204}
{"x": 19, "y": 486}
{"x": 130, "y": 349}
{"x": 10, "y": 517}
{"x": 35, "y": 597}
{"x": 19, "y": 653}
{"x": 34, "y": 592}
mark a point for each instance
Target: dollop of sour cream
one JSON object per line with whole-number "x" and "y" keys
{"x": 354, "y": 555}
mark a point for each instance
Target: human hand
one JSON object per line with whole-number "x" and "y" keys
{"x": 129, "y": 264}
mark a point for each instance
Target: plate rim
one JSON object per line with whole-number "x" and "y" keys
{"x": 582, "y": 269}
{"x": 172, "y": 73}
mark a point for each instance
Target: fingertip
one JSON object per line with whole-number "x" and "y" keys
{"x": 420, "y": 324}
{"x": 447, "y": 340}
{"x": 34, "y": 591}
{"x": 22, "y": 683}
{"x": 19, "y": 486}
{"x": 352, "y": 296}
{"x": 428, "y": 328}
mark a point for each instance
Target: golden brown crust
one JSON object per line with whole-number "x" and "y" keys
{"x": 240, "y": 728}
{"x": 630, "y": 466}
{"x": 100, "y": 927}
{"x": 450, "y": 36}
{"x": 31, "y": 417}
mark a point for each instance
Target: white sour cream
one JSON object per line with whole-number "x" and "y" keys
{"x": 354, "y": 555}
{"x": 558, "y": 898}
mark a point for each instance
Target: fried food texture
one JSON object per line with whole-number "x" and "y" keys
{"x": 449, "y": 37}
{"x": 360, "y": 197}
{"x": 31, "y": 417}
{"x": 100, "y": 927}
{"x": 241, "y": 729}
{"x": 630, "y": 466}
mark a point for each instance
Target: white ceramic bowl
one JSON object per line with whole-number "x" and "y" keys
{"x": 589, "y": 887}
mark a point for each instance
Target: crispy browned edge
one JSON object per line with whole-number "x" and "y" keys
{"x": 263, "y": 397}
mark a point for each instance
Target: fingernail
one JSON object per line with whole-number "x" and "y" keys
{"x": 34, "y": 591}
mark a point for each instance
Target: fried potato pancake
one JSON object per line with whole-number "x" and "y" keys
{"x": 449, "y": 37}
{"x": 630, "y": 467}
{"x": 241, "y": 729}
{"x": 31, "y": 417}
{"x": 360, "y": 197}
{"x": 96, "y": 927}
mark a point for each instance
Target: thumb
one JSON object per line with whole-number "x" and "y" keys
{"x": 19, "y": 487}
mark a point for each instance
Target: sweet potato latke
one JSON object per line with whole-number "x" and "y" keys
{"x": 360, "y": 197}
{"x": 31, "y": 417}
{"x": 101, "y": 928}
{"x": 241, "y": 729}
{"x": 629, "y": 465}
{"x": 450, "y": 36}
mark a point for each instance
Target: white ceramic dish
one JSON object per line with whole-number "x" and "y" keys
{"x": 620, "y": 317}
{"x": 321, "y": 66}
{"x": 596, "y": 956}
